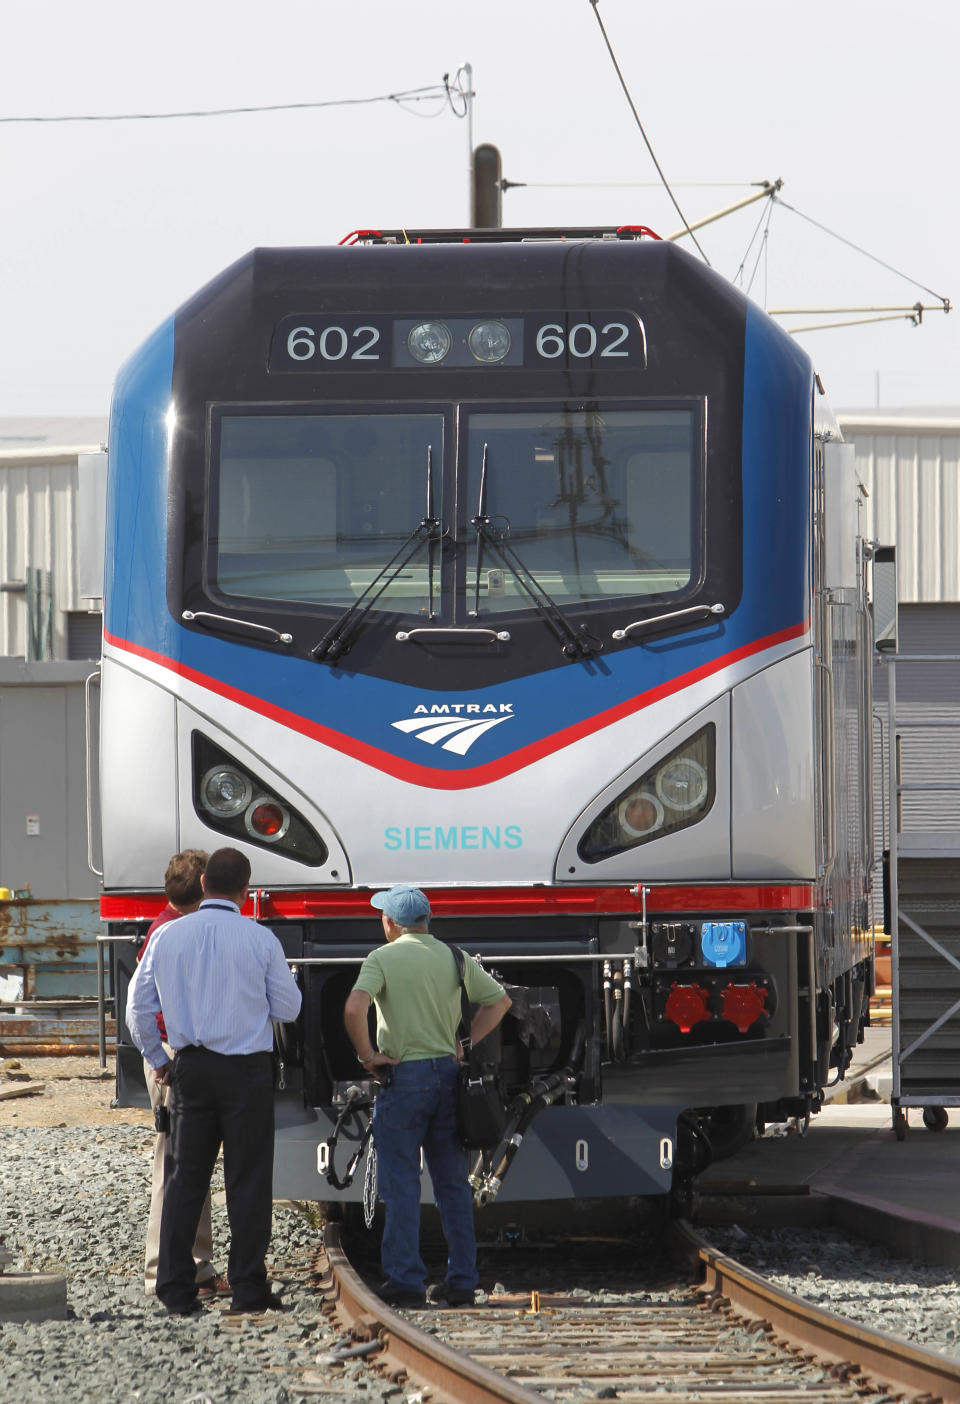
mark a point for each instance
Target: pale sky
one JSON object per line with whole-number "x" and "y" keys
{"x": 108, "y": 226}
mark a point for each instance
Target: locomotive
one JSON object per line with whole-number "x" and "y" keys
{"x": 524, "y": 566}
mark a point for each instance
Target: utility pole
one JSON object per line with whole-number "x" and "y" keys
{"x": 486, "y": 187}
{"x": 487, "y": 206}
{"x": 466, "y": 71}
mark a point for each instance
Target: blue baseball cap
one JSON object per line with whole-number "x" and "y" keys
{"x": 407, "y": 906}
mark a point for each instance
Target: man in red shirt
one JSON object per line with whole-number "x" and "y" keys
{"x": 181, "y": 884}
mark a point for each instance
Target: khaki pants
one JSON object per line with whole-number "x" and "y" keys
{"x": 203, "y": 1243}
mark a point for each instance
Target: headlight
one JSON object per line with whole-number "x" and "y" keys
{"x": 640, "y": 814}
{"x": 429, "y": 342}
{"x": 266, "y": 820}
{"x": 225, "y": 791}
{"x": 233, "y": 800}
{"x": 489, "y": 342}
{"x": 682, "y": 783}
{"x": 672, "y": 795}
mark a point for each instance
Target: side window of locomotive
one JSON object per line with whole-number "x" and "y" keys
{"x": 310, "y": 508}
{"x": 597, "y": 504}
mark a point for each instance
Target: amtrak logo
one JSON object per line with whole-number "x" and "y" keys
{"x": 454, "y": 726}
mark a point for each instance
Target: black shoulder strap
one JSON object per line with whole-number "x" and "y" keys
{"x": 464, "y": 1030}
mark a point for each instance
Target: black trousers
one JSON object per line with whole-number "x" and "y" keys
{"x": 220, "y": 1099}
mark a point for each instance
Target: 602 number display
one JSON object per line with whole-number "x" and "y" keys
{"x": 334, "y": 343}
{"x": 583, "y": 340}
{"x": 594, "y": 339}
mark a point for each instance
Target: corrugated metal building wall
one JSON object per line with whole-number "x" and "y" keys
{"x": 41, "y": 608}
{"x": 928, "y": 719}
{"x": 910, "y": 465}
{"x": 49, "y": 926}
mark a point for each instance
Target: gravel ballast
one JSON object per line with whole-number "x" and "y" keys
{"x": 858, "y": 1280}
{"x": 74, "y": 1200}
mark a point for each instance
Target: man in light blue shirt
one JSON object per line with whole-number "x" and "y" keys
{"x": 220, "y": 980}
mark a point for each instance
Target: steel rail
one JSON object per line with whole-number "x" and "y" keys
{"x": 888, "y": 1360}
{"x": 851, "y": 1351}
{"x": 460, "y": 1379}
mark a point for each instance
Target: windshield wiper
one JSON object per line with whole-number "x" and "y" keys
{"x": 340, "y": 635}
{"x": 678, "y": 618}
{"x": 572, "y": 643}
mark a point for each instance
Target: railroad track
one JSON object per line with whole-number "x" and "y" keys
{"x": 731, "y": 1335}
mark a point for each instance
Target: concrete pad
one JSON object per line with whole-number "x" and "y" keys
{"x": 32, "y": 1296}
{"x": 852, "y": 1114}
{"x": 900, "y": 1193}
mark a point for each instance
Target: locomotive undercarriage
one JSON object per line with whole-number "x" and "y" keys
{"x": 621, "y": 1019}
{"x": 630, "y": 1059}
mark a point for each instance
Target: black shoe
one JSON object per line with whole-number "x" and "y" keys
{"x": 271, "y": 1302}
{"x": 192, "y": 1308}
{"x": 396, "y": 1295}
{"x": 444, "y": 1295}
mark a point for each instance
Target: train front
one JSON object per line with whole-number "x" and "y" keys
{"x": 485, "y": 567}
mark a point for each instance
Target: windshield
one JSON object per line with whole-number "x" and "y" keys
{"x": 595, "y": 504}
{"x": 315, "y": 508}
{"x": 311, "y": 507}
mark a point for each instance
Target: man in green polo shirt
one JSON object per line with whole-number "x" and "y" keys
{"x": 414, "y": 984}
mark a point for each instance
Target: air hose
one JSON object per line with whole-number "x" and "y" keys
{"x": 485, "y": 1180}
{"x": 357, "y": 1102}
{"x": 608, "y": 1006}
{"x": 541, "y": 1093}
{"x": 617, "y": 1038}
{"x": 627, "y": 991}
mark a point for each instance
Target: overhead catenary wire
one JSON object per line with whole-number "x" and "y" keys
{"x": 769, "y": 189}
{"x": 624, "y": 184}
{"x": 595, "y": 5}
{"x": 912, "y": 313}
{"x": 738, "y": 276}
{"x": 945, "y": 301}
{"x": 762, "y": 253}
{"x": 435, "y": 92}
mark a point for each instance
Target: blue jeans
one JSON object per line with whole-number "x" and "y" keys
{"x": 417, "y": 1108}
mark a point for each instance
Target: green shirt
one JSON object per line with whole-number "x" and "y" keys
{"x": 414, "y": 984}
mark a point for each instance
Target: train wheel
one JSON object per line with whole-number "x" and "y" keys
{"x": 899, "y": 1124}
{"x": 681, "y": 1199}
{"x": 345, "y": 1212}
{"x": 935, "y": 1118}
{"x": 694, "y": 1148}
